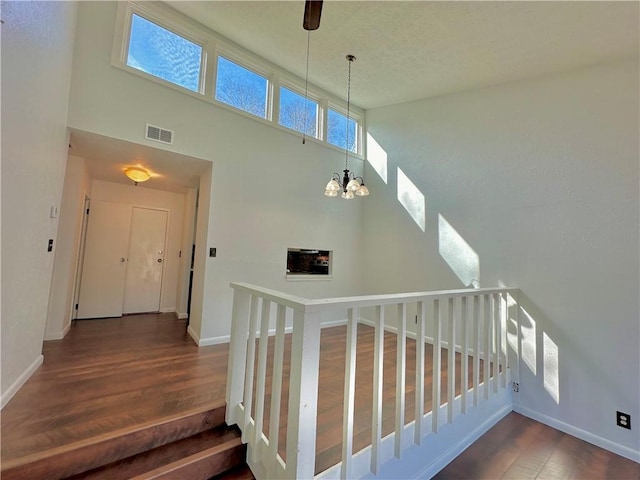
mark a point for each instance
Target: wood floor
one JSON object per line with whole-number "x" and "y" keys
{"x": 109, "y": 374}
{"x": 520, "y": 448}
{"x": 115, "y": 373}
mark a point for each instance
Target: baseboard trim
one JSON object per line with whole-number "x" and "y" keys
{"x": 20, "y": 381}
{"x": 194, "y": 336}
{"x": 58, "y": 335}
{"x": 203, "y": 342}
{"x": 596, "y": 440}
{"x": 182, "y": 315}
{"x": 334, "y": 323}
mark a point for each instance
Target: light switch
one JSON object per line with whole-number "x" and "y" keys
{"x": 212, "y": 251}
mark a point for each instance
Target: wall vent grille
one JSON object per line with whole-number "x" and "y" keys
{"x": 159, "y": 134}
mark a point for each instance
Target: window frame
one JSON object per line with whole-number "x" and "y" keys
{"x": 238, "y": 59}
{"x": 213, "y": 45}
{"x": 356, "y": 116}
{"x": 289, "y": 85}
{"x": 120, "y": 55}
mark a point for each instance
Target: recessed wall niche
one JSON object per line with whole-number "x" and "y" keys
{"x": 308, "y": 261}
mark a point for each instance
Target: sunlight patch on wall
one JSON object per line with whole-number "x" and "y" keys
{"x": 512, "y": 320}
{"x": 551, "y": 371}
{"x": 458, "y": 254}
{"x": 412, "y": 199}
{"x": 377, "y": 157}
{"x": 528, "y": 332}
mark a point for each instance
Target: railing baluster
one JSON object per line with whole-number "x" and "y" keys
{"x": 378, "y": 386}
{"x": 349, "y": 392}
{"x": 420, "y": 348}
{"x": 262, "y": 374}
{"x": 303, "y": 395}
{"x": 251, "y": 356}
{"x": 236, "y": 365}
{"x": 400, "y": 376}
{"x": 476, "y": 353}
{"x": 504, "y": 347}
{"x": 276, "y": 392}
{"x": 487, "y": 345}
{"x": 451, "y": 363}
{"x": 479, "y": 321}
{"x": 437, "y": 366}
{"x": 464, "y": 356}
{"x": 496, "y": 341}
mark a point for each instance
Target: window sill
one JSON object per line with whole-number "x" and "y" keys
{"x": 308, "y": 278}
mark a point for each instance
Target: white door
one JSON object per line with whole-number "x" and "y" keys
{"x": 105, "y": 255}
{"x": 143, "y": 282}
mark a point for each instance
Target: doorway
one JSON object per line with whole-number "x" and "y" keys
{"x": 124, "y": 260}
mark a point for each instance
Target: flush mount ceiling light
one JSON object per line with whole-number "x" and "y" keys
{"x": 137, "y": 174}
{"x": 350, "y": 184}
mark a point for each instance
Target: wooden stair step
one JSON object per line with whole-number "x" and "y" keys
{"x": 81, "y": 456}
{"x": 200, "y": 456}
{"x": 242, "y": 472}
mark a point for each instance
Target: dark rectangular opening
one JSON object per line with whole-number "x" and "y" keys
{"x": 307, "y": 261}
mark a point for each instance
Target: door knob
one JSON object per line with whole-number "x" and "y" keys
{"x": 159, "y": 260}
{"x": 121, "y": 259}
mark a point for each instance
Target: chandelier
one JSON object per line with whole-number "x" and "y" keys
{"x": 349, "y": 183}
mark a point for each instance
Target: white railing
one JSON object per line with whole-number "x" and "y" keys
{"x": 474, "y": 322}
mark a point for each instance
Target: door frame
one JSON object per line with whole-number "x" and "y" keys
{"x": 80, "y": 257}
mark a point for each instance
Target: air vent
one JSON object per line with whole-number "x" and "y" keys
{"x": 159, "y": 134}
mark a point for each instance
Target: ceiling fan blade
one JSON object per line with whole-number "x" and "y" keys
{"x": 312, "y": 11}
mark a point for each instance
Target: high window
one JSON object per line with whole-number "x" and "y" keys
{"x": 164, "y": 54}
{"x": 337, "y": 133}
{"x": 241, "y": 88}
{"x": 160, "y": 44}
{"x": 298, "y": 113}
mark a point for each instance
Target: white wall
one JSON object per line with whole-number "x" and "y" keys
{"x": 36, "y": 65}
{"x": 77, "y": 185}
{"x": 266, "y": 186}
{"x": 540, "y": 180}
{"x": 148, "y": 197}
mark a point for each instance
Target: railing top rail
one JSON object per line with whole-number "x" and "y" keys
{"x": 292, "y": 301}
{"x": 311, "y": 305}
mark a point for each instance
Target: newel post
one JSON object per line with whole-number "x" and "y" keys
{"x": 303, "y": 395}
{"x": 237, "y": 354}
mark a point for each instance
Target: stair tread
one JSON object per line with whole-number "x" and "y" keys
{"x": 70, "y": 459}
{"x": 167, "y": 456}
{"x": 241, "y": 472}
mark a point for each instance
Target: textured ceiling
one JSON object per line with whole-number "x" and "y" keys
{"x": 405, "y": 50}
{"x": 408, "y": 50}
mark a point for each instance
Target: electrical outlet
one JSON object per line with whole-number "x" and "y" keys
{"x": 516, "y": 387}
{"x": 623, "y": 420}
